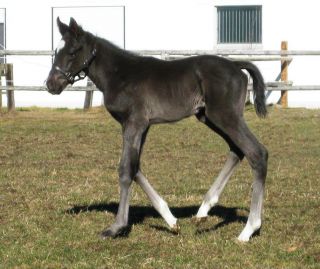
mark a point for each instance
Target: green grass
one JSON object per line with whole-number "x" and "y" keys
{"x": 59, "y": 189}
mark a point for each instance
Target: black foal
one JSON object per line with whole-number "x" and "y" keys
{"x": 141, "y": 91}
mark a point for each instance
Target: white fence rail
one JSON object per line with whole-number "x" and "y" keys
{"x": 285, "y": 56}
{"x": 183, "y": 52}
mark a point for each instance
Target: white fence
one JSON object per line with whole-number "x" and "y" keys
{"x": 281, "y": 83}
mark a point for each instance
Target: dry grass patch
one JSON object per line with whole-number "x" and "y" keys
{"x": 58, "y": 190}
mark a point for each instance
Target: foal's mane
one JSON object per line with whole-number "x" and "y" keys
{"x": 109, "y": 46}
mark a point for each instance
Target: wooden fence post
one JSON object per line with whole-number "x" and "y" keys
{"x": 0, "y": 96}
{"x": 88, "y": 96}
{"x": 1, "y": 74}
{"x": 284, "y": 75}
{"x": 9, "y": 81}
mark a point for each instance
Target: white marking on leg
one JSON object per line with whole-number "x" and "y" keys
{"x": 212, "y": 196}
{"x": 165, "y": 212}
{"x": 249, "y": 230}
{"x": 254, "y": 219}
{"x": 60, "y": 45}
{"x": 206, "y": 206}
{"x": 159, "y": 204}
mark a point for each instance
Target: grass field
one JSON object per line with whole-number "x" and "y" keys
{"x": 59, "y": 189}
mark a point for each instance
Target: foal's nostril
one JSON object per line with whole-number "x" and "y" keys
{"x": 55, "y": 84}
{"x": 49, "y": 85}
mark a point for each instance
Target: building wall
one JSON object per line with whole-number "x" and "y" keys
{"x": 163, "y": 24}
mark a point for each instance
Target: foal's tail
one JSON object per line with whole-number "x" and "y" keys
{"x": 258, "y": 87}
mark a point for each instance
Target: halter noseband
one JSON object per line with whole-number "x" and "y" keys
{"x": 82, "y": 72}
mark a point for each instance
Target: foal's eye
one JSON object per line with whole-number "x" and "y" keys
{"x": 72, "y": 54}
{"x": 73, "y": 51}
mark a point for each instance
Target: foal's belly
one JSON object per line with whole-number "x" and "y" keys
{"x": 175, "y": 109}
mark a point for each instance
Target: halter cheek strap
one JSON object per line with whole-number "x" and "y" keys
{"x": 82, "y": 72}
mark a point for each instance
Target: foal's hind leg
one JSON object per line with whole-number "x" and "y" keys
{"x": 257, "y": 156}
{"x": 212, "y": 196}
{"x": 235, "y": 156}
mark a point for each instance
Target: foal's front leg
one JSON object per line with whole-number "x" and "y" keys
{"x": 159, "y": 204}
{"x": 129, "y": 166}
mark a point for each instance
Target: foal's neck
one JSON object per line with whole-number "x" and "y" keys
{"x": 109, "y": 59}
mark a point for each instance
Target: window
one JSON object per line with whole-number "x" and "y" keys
{"x": 2, "y": 33}
{"x": 239, "y": 24}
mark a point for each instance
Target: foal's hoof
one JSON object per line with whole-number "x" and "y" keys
{"x": 111, "y": 233}
{"x": 198, "y": 221}
{"x": 108, "y": 233}
{"x": 175, "y": 228}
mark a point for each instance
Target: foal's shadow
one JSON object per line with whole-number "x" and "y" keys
{"x": 137, "y": 214}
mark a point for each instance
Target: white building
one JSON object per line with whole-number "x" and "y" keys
{"x": 163, "y": 24}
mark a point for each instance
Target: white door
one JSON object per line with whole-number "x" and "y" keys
{"x": 106, "y": 22}
{"x": 2, "y": 32}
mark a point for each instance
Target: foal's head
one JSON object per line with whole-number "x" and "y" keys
{"x": 73, "y": 57}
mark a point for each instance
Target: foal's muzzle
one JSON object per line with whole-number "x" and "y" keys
{"x": 56, "y": 83}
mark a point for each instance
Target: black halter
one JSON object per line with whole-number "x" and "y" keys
{"x": 82, "y": 72}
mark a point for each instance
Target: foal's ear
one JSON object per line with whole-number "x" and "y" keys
{"x": 74, "y": 28}
{"x": 63, "y": 28}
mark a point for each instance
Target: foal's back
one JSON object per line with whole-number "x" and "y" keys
{"x": 172, "y": 90}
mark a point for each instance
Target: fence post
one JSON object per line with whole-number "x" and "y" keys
{"x": 88, "y": 97}
{"x": 0, "y": 94}
{"x": 284, "y": 75}
{"x": 9, "y": 81}
{"x": 1, "y": 73}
